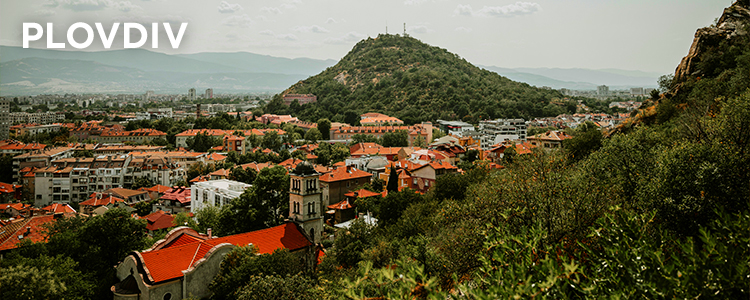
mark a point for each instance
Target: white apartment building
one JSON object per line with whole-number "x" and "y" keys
{"x": 215, "y": 193}
{"x": 496, "y": 131}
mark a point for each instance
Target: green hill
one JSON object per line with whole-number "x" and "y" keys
{"x": 405, "y": 78}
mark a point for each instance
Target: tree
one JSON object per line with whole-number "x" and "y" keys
{"x": 313, "y": 135}
{"x": 244, "y": 262}
{"x": 43, "y": 277}
{"x": 183, "y": 219}
{"x": 324, "y": 126}
{"x": 586, "y": 139}
{"x": 6, "y": 163}
{"x": 400, "y": 138}
{"x": 272, "y": 141}
{"x": 263, "y": 205}
{"x": 392, "y": 180}
{"x": 243, "y": 175}
{"x": 143, "y": 181}
{"x": 202, "y": 142}
{"x": 292, "y": 287}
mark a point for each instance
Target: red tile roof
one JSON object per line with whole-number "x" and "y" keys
{"x": 344, "y": 204}
{"x": 59, "y": 208}
{"x": 181, "y": 194}
{"x": 159, "y": 220}
{"x": 106, "y": 200}
{"x": 363, "y": 193}
{"x": 8, "y": 188}
{"x": 169, "y": 262}
{"x": 158, "y": 188}
{"x": 344, "y": 173}
{"x": 35, "y": 232}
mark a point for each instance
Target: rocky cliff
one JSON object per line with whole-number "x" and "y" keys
{"x": 732, "y": 24}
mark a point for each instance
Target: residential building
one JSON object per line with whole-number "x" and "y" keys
{"x": 39, "y": 159}
{"x": 10, "y": 192}
{"x": 96, "y": 201}
{"x": 160, "y": 169}
{"x": 12, "y": 147}
{"x": 602, "y": 90}
{"x": 34, "y": 129}
{"x": 38, "y": 118}
{"x": 4, "y": 119}
{"x": 549, "y": 139}
{"x": 456, "y": 128}
{"x": 340, "y": 181}
{"x": 175, "y": 200}
{"x": 209, "y": 94}
{"x": 30, "y": 229}
{"x": 215, "y": 192}
{"x": 499, "y": 130}
{"x": 140, "y": 136}
{"x": 191, "y": 94}
{"x": 301, "y": 98}
{"x": 130, "y": 196}
{"x": 416, "y": 132}
{"x": 184, "y": 263}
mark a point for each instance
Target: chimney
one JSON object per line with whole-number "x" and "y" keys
{"x": 210, "y": 233}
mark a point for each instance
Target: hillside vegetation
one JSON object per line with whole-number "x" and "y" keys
{"x": 405, "y": 78}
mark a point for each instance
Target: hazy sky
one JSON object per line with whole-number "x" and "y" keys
{"x": 647, "y": 35}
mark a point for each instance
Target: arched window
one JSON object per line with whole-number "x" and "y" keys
{"x": 167, "y": 296}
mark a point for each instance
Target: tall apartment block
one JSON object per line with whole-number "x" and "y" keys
{"x": 4, "y": 119}
{"x": 497, "y": 131}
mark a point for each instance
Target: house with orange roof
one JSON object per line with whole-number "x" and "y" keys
{"x": 424, "y": 177}
{"x": 39, "y": 159}
{"x": 175, "y": 200}
{"x": 337, "y": 183}
{"x": 423, "y": 131}
{"x": 13, "y": 147}
{"x": 185, "y": 262}
{"x": 219, "y": 174}
{"x": 10, "y": 192}
{"x": 97, "y": 200}
{"x": 140, "y": 135}
{"x": 30, "y": 229}
{"x": 159, "y": 220}
{"x": 59, "y": 208}
{"x": 549, "y": 139}
{"x": 130, "y": 196}
{"x": 15, "y": 209}
{"x": 155, "y": 192}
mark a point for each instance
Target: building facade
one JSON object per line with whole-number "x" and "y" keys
{"x": 215, "y": 193}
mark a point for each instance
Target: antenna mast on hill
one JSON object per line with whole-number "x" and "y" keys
{"x": 386, "y": 27}
{"x": 405, "y": 29}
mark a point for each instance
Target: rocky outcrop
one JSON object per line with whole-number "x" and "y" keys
{"x": 733, "y": 23}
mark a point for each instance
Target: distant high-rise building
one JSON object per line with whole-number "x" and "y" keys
{"x": 4, "y": 119}
{"x": 148, "y": 95}
{"x": 209, "y": 94}
{"x": 602, "y": 90}
{"x": 636, "y": 91}
{"x": 191, "y": 94}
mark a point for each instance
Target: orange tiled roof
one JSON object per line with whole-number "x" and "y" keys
{"x": 8, "y": 187}
{"x": 16, "y": 206}
{"x": 201, "y": 178}
{"x": 181, "y": 194}
{"x": 362, "y": 193}
{"x": 169, "y": 262}
{"x": 59, "y": 208}
{"x": 344, "y": 173}
{"x": 158, "y": 188}
{"x": 344, "y": 204}
{"x": 159, "y": 220}
{"x": 94, "y": 201}
{"x": 29, "y": 230}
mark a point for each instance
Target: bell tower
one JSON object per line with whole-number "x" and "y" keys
{"x": 305, "y": 200}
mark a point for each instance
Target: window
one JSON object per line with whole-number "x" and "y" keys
{"x": 311, "y": 208}
{"x": 295, "y": 207}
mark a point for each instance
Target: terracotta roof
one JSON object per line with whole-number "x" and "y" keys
{"x": 125, "y": 193}
{"x": 344, "y": 173}
{"x": 344, "y": 204}
{"x": 201, "y": 178}
{"x": 159, "y": 220}
{"x": 169, "y": 262}
{"x": 59, "y": 208}
{"x": 35, "y": 232}
{"x": 158, "y": 188}
{"x": 94, "y": 201}
{"x": 8, "y": 188}
{"x": 16, "y": 206}
{"x": 220, "y": 172}
{"x": 215, "y": 156}
{"x": 552, "y": 135}
{"x": 181, "y": 194}
{"x": 362, "y": 193}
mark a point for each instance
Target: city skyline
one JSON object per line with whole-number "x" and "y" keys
{"x": 650, "y": 36}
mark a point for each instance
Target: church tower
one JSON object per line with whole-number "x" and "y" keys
{"x": 305, "y": 200}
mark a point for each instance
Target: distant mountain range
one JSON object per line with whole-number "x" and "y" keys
{"x": 43, "y": 71}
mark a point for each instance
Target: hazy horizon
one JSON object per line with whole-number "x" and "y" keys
{"x": 648, "y": 36}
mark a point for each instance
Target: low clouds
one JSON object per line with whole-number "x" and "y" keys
{"x": 283, "y": 36}
{"x": 271, "y": 10}
{"x": 348, "y": 38}
{"x": 228, "y": 8}
{"x": 507, "y": 11}
{"x": 462, "y": 29}
{"x": 238, "y": 21}
{"x": 418, "y": 29}
{"x": 313, "y": 28}
{"x": 92, "y": 5}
